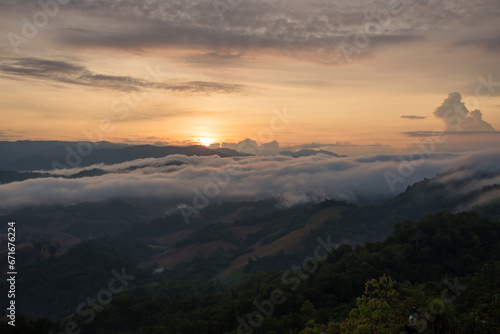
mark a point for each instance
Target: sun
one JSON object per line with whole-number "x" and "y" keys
{"x": 206, "y": 141}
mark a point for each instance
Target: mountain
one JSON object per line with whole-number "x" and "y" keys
{"x": 305, "y": 153}
{"x": 231, "y": 153}
{"x": 7, "y": 176}
{"x": 454, "y": 263}
{"x": 449, "y": 191}
{"x": 236, "y": 245}
{"x": 255, "y": 229}
{"x": 446, "y": 265}
{"x": 39, "y": 155}
{"x": 11, "y": 151}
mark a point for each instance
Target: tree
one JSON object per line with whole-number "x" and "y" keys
{"x": 374, "y": 310}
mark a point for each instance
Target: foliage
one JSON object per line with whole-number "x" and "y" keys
{"x": 342, "y": 294}
{"x": 374, "y": 310}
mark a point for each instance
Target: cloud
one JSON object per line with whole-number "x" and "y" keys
{"x": 67, "y": 72}
{"x": 250, "y": 146}
{"x": 73, "y": 73}
{"x": 478, "y": 174}
{"x": 488, "y": 197}
{"x": 413, "y": 117}
{"x": 294, "y": 28}
{"x": 249, "y": 28}
{"x": 490, "y": 44}
{"x": 307, "y": 30}
{"x": 313, "y": 145}
{"x": 291, "y": 180}
{"x": 213, "y": 146}
{"x": 458, "y": 118}
{"x": 452, "y": 133}
{"x": 213, "y": 59}
{"x": 10, "y": 133}
{"x": 290, "y": 199}
{"x": 336, "y": 144}
{"x": 344, "y": 148}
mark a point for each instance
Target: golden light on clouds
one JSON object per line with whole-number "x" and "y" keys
{"x": 206, "y": 82}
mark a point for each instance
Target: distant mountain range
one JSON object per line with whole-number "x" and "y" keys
{"x": 231, "y": 153}
{"x": 227, "y": 240}
{"x": 257, "y": 224}
{"x": 306, "y": 153}
{"x": 47, "y": 155}
{"x": 42, "y": 155}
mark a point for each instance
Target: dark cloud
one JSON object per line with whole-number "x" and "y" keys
{"x": 66, "y": 72}
{"x": 314, "y": 145}
{"x": 73, "y": 73}
{"x": 324, "y": 49}
{"x": 206, "y": 87}
{"x": 451, "y": 133}
{"x": 214, "y": 59}
{"x": 413, "y": 117}
{"x": 295, "y": 28}
{"x": 458, "y": 118}
{"x": 311, "y": 30}
{"x": 490, "y": 44}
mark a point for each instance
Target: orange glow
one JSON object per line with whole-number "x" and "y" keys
{"x": 206, "y": 140}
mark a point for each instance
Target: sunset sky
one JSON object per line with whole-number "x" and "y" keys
{"x": 180, "y": 72}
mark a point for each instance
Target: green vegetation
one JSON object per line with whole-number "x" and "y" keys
{"x": 368, "y": 289}
{"x": 446, "y": 265}
{"x": 386, "y": 259}
{"x": 54, "y": 287}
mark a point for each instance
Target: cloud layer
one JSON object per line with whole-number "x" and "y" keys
{"x": 291, "y": 180}
{"x": 312, "y": 30}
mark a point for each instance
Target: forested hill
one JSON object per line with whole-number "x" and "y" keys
{"x": 446, "y": 265}
{"x": 422, "y": 257}
{"x": 203, "y": 273}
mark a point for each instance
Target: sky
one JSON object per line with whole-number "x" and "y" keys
{"x": 353, "y": 77}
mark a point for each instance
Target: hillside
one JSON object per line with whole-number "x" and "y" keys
{"x": 233, "y": 243}
{"x": 449, "y": 246}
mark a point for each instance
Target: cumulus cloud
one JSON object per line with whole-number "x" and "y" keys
{"x": 458, "y": 118}
{"x": 290, "y": 180}
{"x": 214, "y": 146}
{"x": 250, "y": 146}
